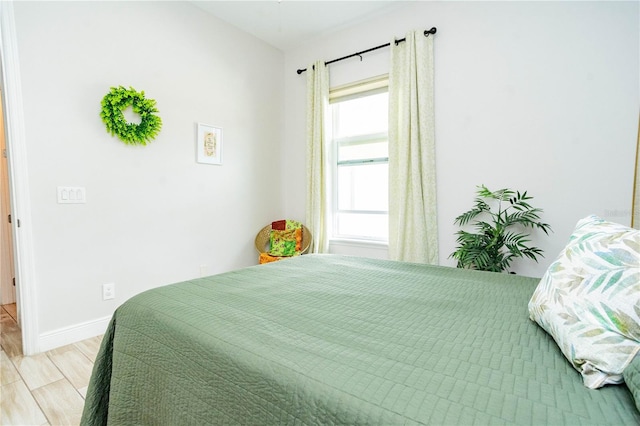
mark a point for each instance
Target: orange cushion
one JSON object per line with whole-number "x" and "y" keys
{"x": 266, "y": 258}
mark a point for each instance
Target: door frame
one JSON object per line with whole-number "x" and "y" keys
{"x": 18, "y": 181}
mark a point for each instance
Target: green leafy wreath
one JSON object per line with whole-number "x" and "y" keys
{"x": 120, "y": 98}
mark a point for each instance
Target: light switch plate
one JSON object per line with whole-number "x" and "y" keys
{"x": 72, "y": 195}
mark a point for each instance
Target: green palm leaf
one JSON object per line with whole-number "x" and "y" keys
{"x": 494, "y": 245}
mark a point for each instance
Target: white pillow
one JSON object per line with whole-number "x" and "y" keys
{"x": 589, "y": 300}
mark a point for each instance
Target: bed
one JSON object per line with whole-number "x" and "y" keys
{"x": 328, "y": 339}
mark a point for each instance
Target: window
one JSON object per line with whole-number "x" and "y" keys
{"x": 360, "y": 179}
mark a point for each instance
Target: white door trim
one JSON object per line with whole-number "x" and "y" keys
{"x": 18, "y": 181}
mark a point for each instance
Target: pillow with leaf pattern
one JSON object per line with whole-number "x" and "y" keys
{"x": 589, "y": 300}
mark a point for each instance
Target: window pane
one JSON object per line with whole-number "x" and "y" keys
{"x": 362, "y": 116}
{"x": 373, "y": 226}
{"x": 363, "y": 187}
{"x": 360, "y": 184}
{"x": 362, "y": 151}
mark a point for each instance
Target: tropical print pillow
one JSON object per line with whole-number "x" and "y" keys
{"x": 589, "y": 300}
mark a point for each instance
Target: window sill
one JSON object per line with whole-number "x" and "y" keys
{"x": 358, "y": 243}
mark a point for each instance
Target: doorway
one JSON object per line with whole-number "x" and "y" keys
{"x": 7, "y": 270}
{"x": 11, "y": 333}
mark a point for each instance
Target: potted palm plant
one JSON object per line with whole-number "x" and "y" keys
{"x": 500, "y": 220}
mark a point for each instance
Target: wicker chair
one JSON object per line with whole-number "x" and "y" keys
{"x": 263, "y": 239}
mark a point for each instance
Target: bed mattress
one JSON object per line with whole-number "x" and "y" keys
{"x": 326, "y": 339}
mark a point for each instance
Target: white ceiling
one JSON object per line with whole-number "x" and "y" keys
{"x": 287, "y": 24}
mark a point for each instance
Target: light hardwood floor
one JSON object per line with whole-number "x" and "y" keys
{"x": 44, "y": 389}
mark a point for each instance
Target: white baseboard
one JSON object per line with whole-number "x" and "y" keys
{"x": 72, "y": 334}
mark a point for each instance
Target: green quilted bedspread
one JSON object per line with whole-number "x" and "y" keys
{"x": 324, "y": 339}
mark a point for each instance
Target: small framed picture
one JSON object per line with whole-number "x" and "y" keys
{"x": 209, "y": 144}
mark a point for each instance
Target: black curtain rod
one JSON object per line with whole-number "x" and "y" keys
{"x": 426, "y": 34}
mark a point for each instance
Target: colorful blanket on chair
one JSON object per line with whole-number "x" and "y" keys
{"x": 286, "y": 238}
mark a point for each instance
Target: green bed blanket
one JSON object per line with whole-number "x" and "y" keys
{"x": 325, "y": 339}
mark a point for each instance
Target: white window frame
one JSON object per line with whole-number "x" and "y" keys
{"x": 372, "y": 86}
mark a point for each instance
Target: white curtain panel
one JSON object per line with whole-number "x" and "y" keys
{"x": 317, "y": 154}
{"x": 413, "y": 232}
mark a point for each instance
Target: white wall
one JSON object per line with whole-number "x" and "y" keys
{"x": 536, "y": 96}
{"x": 153, "y": 215}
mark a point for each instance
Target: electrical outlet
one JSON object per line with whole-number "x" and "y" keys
{"x": 203, "y": 270}
{"x": 108, "y": 291}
